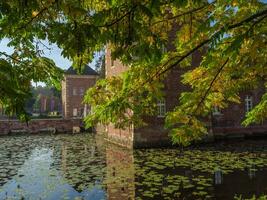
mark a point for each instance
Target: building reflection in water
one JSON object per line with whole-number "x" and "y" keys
{"x": 252, "y": 172}
{"x": 83, "y": 165}
{"x": 113, "y": 170}
{"x": 120, "y": 173}
{"x": 100, "y": 164}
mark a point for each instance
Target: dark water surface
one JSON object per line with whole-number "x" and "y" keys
{"x": 85, "y": 167}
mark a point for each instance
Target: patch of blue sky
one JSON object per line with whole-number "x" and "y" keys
{"x": 49, "y": 50}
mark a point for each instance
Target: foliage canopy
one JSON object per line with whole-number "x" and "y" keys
{"x": 232, "y": 33}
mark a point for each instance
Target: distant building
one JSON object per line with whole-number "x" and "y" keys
{"x": 74, "y": 86}
{"x": 48, "y": 104}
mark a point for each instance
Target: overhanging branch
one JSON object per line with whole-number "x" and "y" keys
{"x": 210, "y": 85}
{"x": 36, "y": 16}
{"x": 118, "y": 19}
{"x": 11, "y": 57}
{"x": 249, "y": 19}
{"x": 184, "y": 13}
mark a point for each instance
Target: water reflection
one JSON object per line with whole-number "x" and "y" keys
{"x": 120, "y": 173}
{"x": 252, "y": 172}
{"x": 218, "y": 177}
{"x": 85, "y": 167}
{"x": 50, "y": 170}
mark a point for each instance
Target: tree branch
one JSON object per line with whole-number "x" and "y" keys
{"x": 183, "y": 14}
{"x": 36, "y": 16}
{"x": 210, "y": 86}
{"x": 11, "y": 57}
{"x": 181, "y": 58}
{"x": 252, "y": 17}
{"x": 118, "y": 19}
{"x": 220, "y": 70}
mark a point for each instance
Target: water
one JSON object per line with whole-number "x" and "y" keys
{"x": 85, "y": 167}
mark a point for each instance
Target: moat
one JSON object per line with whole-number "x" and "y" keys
{"x": 85, "y": 167}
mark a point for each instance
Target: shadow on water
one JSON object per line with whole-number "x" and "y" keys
{"x": 84, "y": 167}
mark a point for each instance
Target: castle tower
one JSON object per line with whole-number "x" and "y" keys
{"x": 74, "y": 86}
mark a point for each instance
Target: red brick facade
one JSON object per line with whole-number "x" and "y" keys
{"x": 73, "y": 90}
{"x": 154, "y": 134}
{"x": 229, "y": 120}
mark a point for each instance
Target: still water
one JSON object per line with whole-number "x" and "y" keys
{"x": 85, "y": 167}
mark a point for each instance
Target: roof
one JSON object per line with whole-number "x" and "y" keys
{"x": 85, "y": 71}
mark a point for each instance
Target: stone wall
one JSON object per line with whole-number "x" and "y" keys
{"x": 39, "y": 125}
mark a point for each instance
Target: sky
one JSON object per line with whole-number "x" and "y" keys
{"x": 54, "y": 53}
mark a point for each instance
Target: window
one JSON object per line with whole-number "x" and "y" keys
{"x": 216, "y": 110}
{"x": 161, "y": 105}
{"x": 248, "y": 103}
{"x": 74, "y": 91}
{"x": 81, "y": 91}
{"x": 75, "y": 112}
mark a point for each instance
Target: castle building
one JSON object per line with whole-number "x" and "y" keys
{"x": 153, "y": 134}
{"x": 74, "y": 86}
{"x": 227, "y": 122}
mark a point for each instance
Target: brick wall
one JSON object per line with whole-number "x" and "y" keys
{"x": 235, "y": 113}
{"x": 132, "y": 136}
{"x": 154, "y": 133}
{"x": 123, "y": 137}
{"x": 229, "y": 121}
{"x": 71, "y": 101}
{"x": 113, "y": 67}
{"x": 64, "y": 96}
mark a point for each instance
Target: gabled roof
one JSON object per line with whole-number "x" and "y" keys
{"x": 86, "y": 71}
